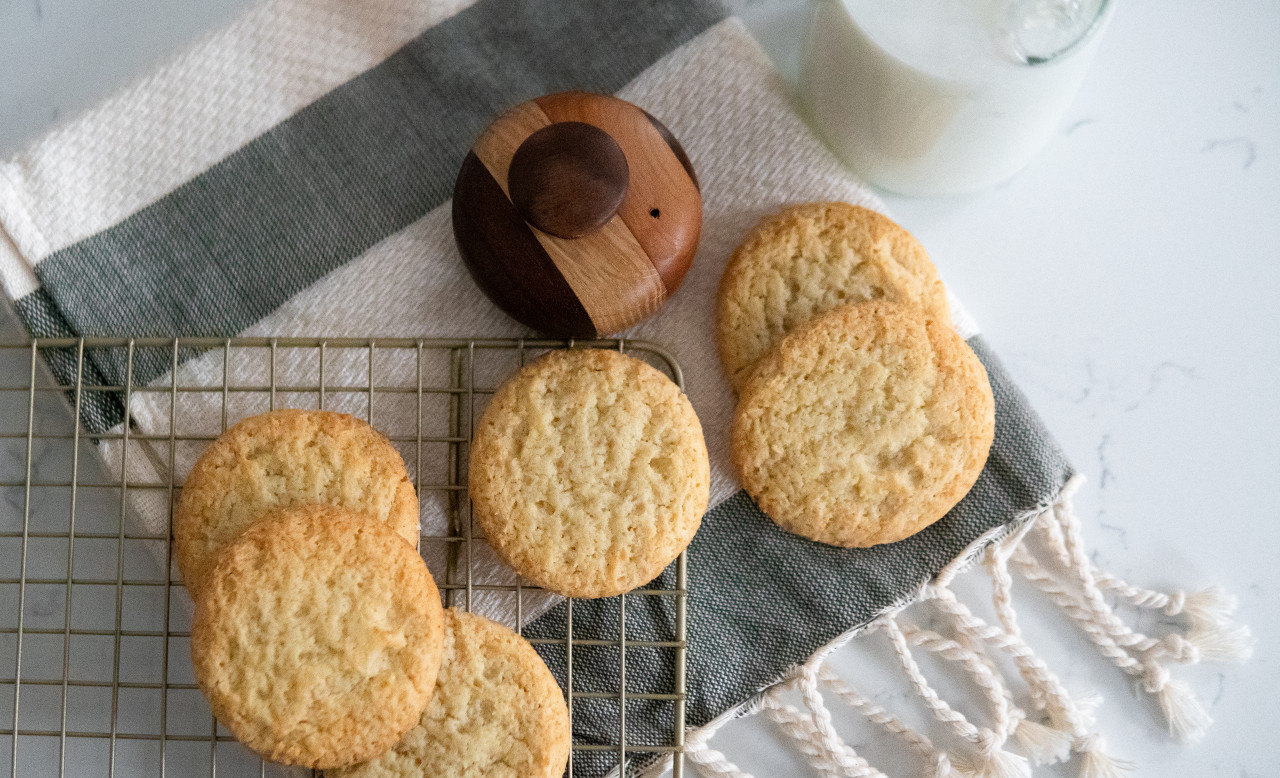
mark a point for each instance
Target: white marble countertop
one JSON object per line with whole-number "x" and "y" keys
{"x": 1128, "y": 277}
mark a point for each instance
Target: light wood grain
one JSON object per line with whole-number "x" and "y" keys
{"x": 609, "y": 270}
{"x": 498, "y": 143}
{"x": 612, "y": 276}
{"x": 658, "y": 180}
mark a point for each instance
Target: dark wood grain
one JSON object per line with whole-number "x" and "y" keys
{"x": 506, "y": 260}
{"x": 568, "y": 179}
{"x": 607, "y": 269}
{"x": 663, "y": 207}
{"x": 530, "y": 245}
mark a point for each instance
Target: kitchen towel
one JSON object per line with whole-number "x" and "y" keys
{"x": 291, "y": 174}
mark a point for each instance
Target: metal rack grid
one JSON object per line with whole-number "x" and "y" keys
{"x": 94, "y": 629}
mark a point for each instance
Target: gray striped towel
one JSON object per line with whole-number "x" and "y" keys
{"x": 290, "y": 175}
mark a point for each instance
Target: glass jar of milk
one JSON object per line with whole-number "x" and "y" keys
{"x": 929, "y": 97}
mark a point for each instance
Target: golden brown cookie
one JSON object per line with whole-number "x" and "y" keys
{"x": 589, "y": 473}
{"x": 806, "y": 260}
{"x": 317, "y": 637}
{"x": 864, "y": 426}
{"x": 283, "y": 458}
{"x": 497, "y": 712}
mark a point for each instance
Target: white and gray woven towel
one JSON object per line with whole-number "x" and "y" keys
{"x": 290, "y": 175}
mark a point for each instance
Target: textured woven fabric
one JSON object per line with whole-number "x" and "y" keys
{"x": 310, "y": 199}
{"x": 814, "y": 593}
{"x": 206, "y": 103}
{"x": 357, "y": 164}
{"x": 98, "y": 410}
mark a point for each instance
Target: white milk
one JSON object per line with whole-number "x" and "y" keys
{"x": 944, "y": 96}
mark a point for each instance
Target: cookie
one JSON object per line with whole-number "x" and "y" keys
{"x": 317, "y": 637}
{"x": 497, "y": 712}
{"x": 283, "y": 458}
{"x": 864, "y": 426}
{"x": 589, "y": 473}
{"x": 808, "y": 259}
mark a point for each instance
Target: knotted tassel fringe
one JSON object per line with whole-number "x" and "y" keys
{"x": 1078, "y": 587}
{"x": 1041, "y": 744}
{"x": 1095, "y": 763}
{"x": 1061, "y": 724}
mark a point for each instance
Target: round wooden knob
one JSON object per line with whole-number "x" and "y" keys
{"x": 578, "y": 214}
{"x": 568, "y": 179}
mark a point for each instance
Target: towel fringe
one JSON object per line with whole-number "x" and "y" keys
{"x": 1042, "y": 744}
{"x": 1048, "y": 552}
{"x": 799, "y": 725}
{"x": 1077, "y": 588}
{"x": 1096, "y": 763}
{"x": 990, "y": 759}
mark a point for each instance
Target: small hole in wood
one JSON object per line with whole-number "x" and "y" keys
{"x": 655, "y": 213}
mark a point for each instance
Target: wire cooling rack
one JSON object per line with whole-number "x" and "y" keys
{"x": 95, "y": 675}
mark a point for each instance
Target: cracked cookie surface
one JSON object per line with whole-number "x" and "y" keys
{"x": 317, "y": 637}
{"x": 497, "y": 712}
{"x": 806, "y": 260}
{"x": 285, "y": 458}
{"x": 588, "y": 472}
{"x": 864, "y": 426}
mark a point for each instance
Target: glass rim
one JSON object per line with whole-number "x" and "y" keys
{"x": 1089, "y": 31}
